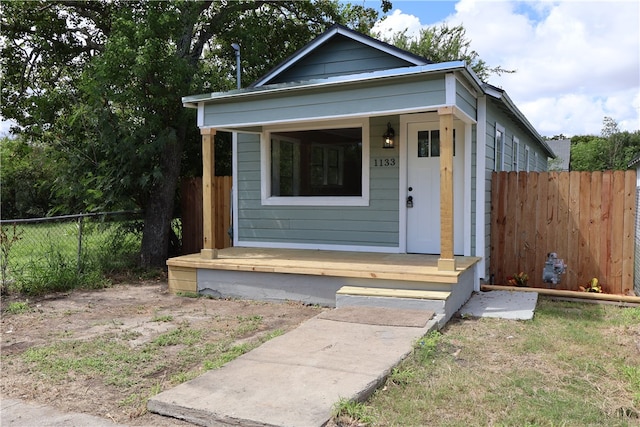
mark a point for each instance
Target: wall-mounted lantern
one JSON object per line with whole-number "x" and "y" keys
{"x": 388, "y": 139}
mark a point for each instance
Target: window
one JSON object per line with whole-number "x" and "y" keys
{"x": 316, "y": 166}
{"x": 499, "y": 148}
{"x": 516, "y": 153}
{"x": 429, "y": 143}
{"x": 526, "y": 158}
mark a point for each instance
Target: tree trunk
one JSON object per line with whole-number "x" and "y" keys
{"x": 159, "y": 207}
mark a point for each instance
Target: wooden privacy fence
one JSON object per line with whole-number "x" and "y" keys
{"x": 191, "y": 213}
{"x": 587, "y": 218}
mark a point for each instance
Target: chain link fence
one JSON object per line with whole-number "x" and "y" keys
{"x": 61, "y": 253}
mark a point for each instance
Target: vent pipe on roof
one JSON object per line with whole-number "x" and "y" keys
{"x": 236, "y": 47}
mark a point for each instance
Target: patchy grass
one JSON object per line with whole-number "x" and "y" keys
{"x": 574, "y": 364}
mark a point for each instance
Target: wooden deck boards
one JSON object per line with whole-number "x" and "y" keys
{"x": 406, "y": 267}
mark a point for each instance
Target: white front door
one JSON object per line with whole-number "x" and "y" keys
{"x": 423, "y": 188}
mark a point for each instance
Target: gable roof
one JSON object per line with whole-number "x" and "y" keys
{"x": 324, "y": 43}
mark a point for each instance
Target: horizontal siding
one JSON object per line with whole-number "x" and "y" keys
{"x": 373, "y": 225}
{"x": 466, "y": 101}
{"x": 327, "y": 102}
{"x": 339, "y": 56}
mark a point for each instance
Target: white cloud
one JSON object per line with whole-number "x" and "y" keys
{"x": 576, "y": 61}
{"x": 397, "y": 22}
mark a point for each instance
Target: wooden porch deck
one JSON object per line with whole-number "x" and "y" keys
{"x": 362, "y": 265}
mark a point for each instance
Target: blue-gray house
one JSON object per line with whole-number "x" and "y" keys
{"x": 358, "y": 168}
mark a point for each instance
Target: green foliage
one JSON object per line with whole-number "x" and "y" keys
{"x": 17, "y": 307}
{"x": 426, "y": 347}
{"x": 101, "y": 83}
{"x": 28, "y": 174}
{"x": 443, "y": 43}
{"x": 348, "y": 412}
{"x": 613, "y": 150}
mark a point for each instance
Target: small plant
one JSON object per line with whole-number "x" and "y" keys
{"x": 521, "y": 279}
{"x": 350, "y": 413}
{"x": 593, "y": 286}
{"x": 18, "y": 307}
{"x": 425, "y": 348}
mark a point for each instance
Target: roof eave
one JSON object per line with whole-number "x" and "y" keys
{"x": 192, "y": 101}
{"x": 504, "y": 98}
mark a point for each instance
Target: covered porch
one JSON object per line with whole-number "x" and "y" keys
{"x": 325, "y": 277}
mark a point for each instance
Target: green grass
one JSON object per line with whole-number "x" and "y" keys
{"x": 17, "y": 307}
{"x": 45, "y": 257}
{"x": 574, "y": 364}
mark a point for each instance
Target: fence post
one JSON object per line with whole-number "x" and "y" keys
{"x": 80, "y": 223}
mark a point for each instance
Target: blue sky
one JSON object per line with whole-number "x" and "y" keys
{"x": 576, "y": 61}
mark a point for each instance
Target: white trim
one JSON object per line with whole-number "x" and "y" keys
{"x": 200, "y": 118}
{"x": 450, "y": 89}
{"x": 265, "y": 166}
{"x": 234, "y": 191}
{"x": 481, "y": 165}
{"x": 499, "y": 128}
{"x": 313, "y": 246}
{"x": 535, "y": 161}
{"x": 468, "y": 154}
{"x": 527, "y": 158}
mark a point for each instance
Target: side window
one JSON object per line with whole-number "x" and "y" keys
{"x": 499, "y": 148}
{"x": 516, "y": 153}
{"x": 526, "y": 158}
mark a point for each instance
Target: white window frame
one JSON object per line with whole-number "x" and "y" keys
{"x": 265, "y": 166}
{"x": 499, "y": 148}
{"x": 516, "y": 153}
{"x": 526, "y": 157}
{"x": 535, "y": 161}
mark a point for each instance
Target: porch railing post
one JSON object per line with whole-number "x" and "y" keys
{"x": 209, "y": 250}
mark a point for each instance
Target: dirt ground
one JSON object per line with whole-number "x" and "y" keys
{"x": 133, "y": 315}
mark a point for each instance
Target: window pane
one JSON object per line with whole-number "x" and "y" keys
{"x": 423, "y": 143}
{"x": 325, "y": 162}
{"x": 435, "y": 143}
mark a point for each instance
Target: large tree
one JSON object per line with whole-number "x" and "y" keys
{"x": 102, "y": 81}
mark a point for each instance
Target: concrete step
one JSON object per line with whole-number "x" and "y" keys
{"x": 407, "y": 299}
{"x": 394, "y": 293}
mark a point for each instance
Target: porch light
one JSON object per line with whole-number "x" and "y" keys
{"x": 388, "y": 137}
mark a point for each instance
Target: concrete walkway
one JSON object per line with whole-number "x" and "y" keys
{"x": 295, "y": 379}
{"x": 16, "y": 413}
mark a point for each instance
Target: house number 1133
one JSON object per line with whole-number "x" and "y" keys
{"x": 386, "y": 162}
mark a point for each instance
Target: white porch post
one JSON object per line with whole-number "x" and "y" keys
{"x": 209, "y": 250}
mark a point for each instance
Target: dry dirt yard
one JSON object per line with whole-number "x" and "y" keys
{"x": 105, "y": 352}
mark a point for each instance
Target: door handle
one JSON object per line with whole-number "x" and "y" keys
{"x": 410, "y": 201}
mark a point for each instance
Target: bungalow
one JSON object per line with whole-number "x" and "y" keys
{"x": 358, "y": 168}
